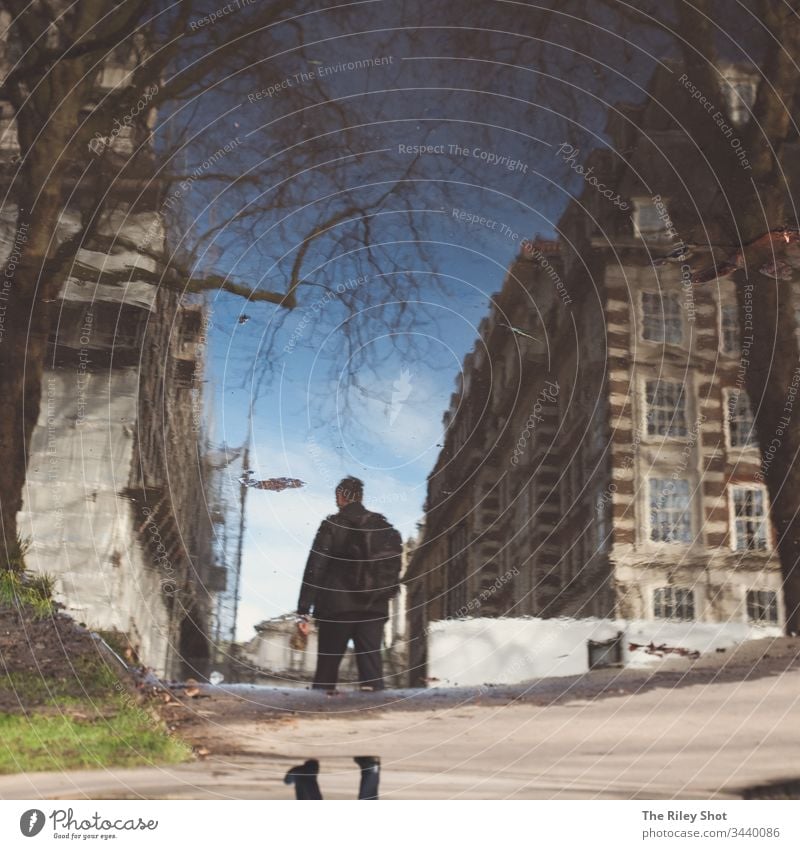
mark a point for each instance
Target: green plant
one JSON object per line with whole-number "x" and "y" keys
{"x": 32, "y": 593}
{"x": 15, "y": 555}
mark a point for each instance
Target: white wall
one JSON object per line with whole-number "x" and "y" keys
{"x": 80, "y": 526}
{"x": 473, "y": 652}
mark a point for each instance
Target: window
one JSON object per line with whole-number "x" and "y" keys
{"x": 749, "y": 519}
{"x": 762, "y": 606}
{"x": 651, "y": 221}
{"x": 601, "y": 520}
{"x": 670, "y": 520}
{"x": 729, "y": 329}
{"x": 666, "y": 408}
{"x": 673, "y": 603}
{"x": 661, "y": 318}
{"x": 457, "y": 569}
{"x": 740, "y": 95}
{"x": 741, "y": 432}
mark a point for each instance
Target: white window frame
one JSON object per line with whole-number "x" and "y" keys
{"x": 767, "y": 622}
{"x": 752, "y": 446}
{"x": 662, "y": 233}
{"x": 674, "y": 603}
{"x": 739, "y": 106}
{"x": 685, "y": 394}
{"x": 736, "y": 351}
{"x": 765, "y": 521}
{"x": 663, "y": 296}
{"x": 649, "y": 512}
{"x": 601, "y": 520}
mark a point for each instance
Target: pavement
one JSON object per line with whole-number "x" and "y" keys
{"x": 704, "y": 729}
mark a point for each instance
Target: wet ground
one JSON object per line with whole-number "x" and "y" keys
{"x": 710, "y": 728}
{"x": 753, "y": 660}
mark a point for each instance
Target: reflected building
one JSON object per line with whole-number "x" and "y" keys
{"x": 115, "y": 505}
{"x": 599, "y": 454}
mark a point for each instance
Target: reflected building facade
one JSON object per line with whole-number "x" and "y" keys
{"x": 599, "y": 453}
{"x": 115, "y": 505}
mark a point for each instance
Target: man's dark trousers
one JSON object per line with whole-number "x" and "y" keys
{"x": 366, "y": 632}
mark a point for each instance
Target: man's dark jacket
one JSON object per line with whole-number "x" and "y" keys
{"x": 325, "y": 582}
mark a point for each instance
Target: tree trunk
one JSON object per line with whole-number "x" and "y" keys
{"x": 29, "y": 296}
{"x": 772, "y": 379}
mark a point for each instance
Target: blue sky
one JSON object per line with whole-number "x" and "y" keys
{"x": 386, "y": 431}
{"x": 480, "y": 87}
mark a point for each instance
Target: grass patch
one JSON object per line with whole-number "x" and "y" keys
{"x": 32, "y": 594}
{"x": 75, "y": 713}
{"x": 89, "y": 680}
{"x": 129, "y": 737}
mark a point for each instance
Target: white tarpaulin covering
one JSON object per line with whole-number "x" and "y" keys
{"x": 472, "y": 652}
{"x": 133, "y": 293}
{"x": 80, "y": 525}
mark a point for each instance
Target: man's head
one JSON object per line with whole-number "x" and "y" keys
{"x": 349, "y": 490}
